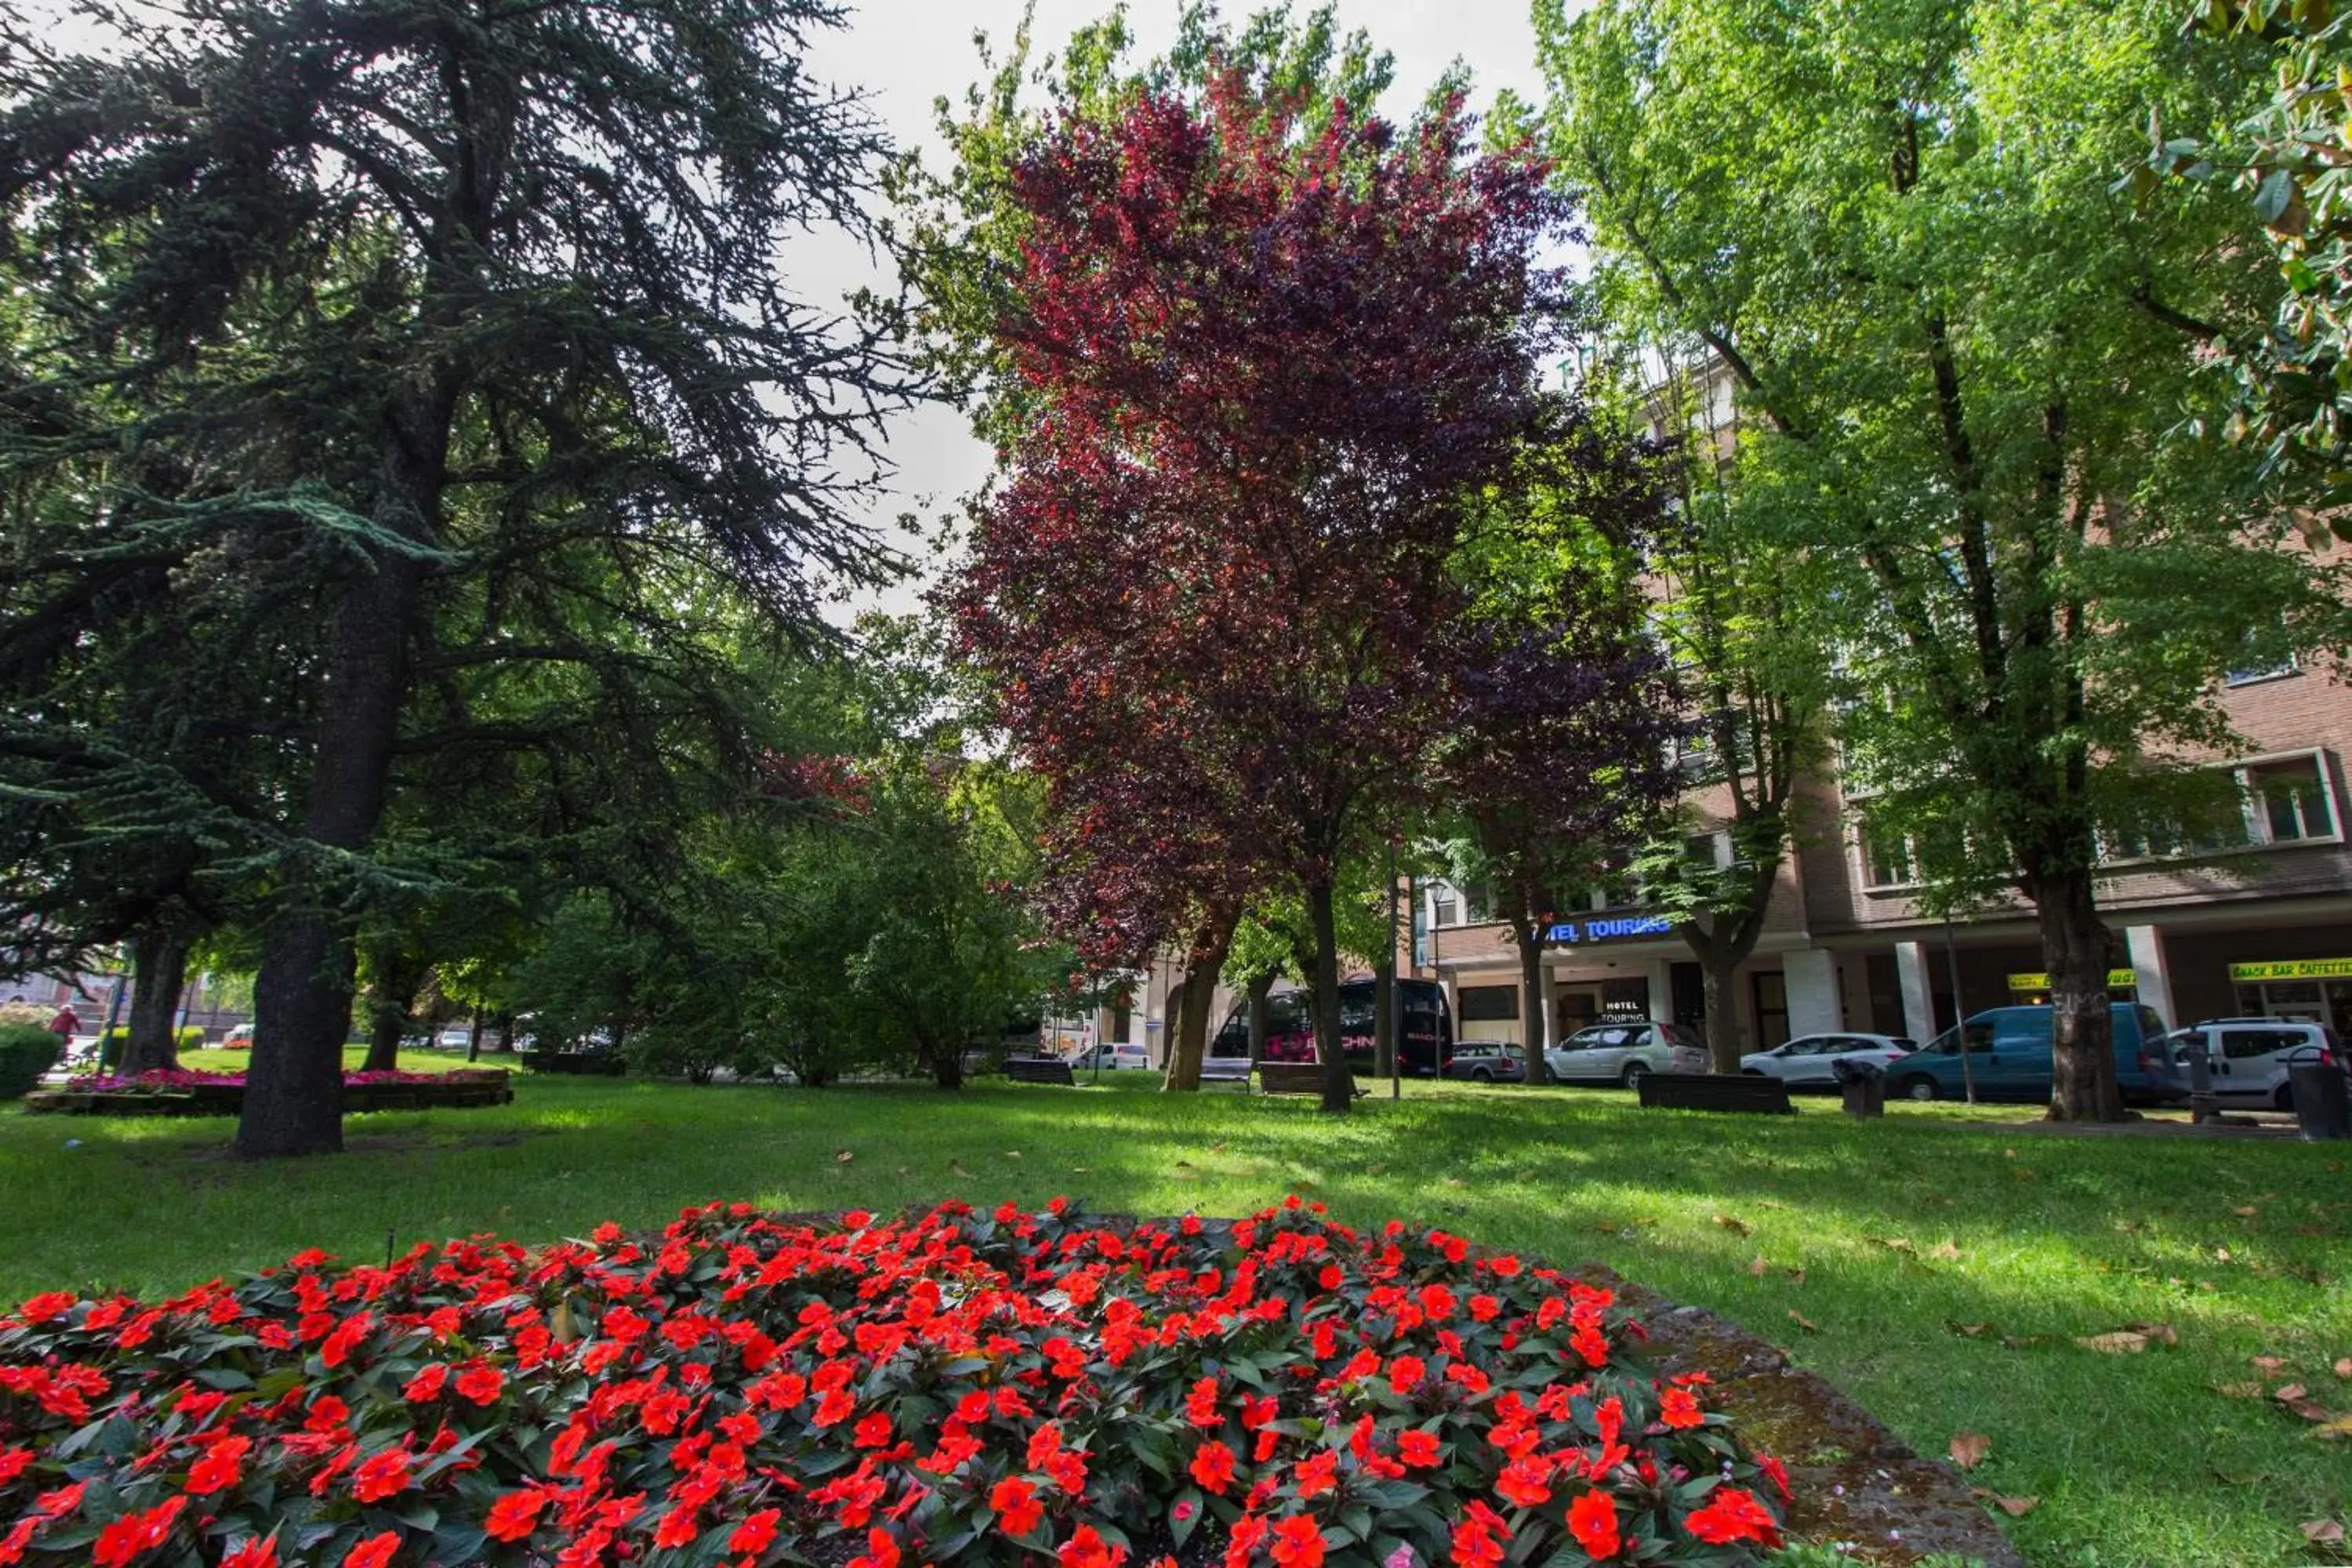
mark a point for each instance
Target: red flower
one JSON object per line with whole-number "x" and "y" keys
{"x": 1404, "y": 1372}
{"x": 1677, "y": 1409}
{"x": 755, "y": 1534}
{"x": 427, "y": 1384}
{"x": 1479, "y": 1536}
{"x": 253, "y": 1551}
{"x": 678, "y": 1527}
{"x": 872, "y": 1431}
{"x": 345, "y": 1339}
{"x": 1088, "y": 1549}
{"x": 1044, "y": 1443}
{"x": 1317, "y": 1475}
{"x": 1018, "y": 1512}
{"x": 1417, "y": 1449}
{"x": 1201, "y": 1404}
{"x": 1592, "y": 1520}
{"x": 515, "y": 1515}
{"x": 14, "y": 1462}
{"x": 375, "y": 1552}
{"x": 221, "y": 1467}
{"x": 49, "y": 1304}
{"x": 834, "y": 1408}
{"x": 1731, "y": 1515}
{"x": 881, "y": 1552}
{"x": 480, "y": 1383}
{"x": 380, "y": 1476}
{"x": 1212, "y": 1467}
{"x": 1299, "y": 1543}
{"x": 135, "y": 1534}
{"x": 1523, "y": 1482}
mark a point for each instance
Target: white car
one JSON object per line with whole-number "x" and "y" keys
{"x": 454, "y": 1039}
{"x": 1622, "y": 1053}
{"x": 1113, "y": 1057}
{"x": 2250, "y": 1058}
{"x": 1810, "y": 1062}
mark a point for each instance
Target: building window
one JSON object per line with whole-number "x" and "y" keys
{"x": 1887, "y": 861}
{"x": 2290, "y": 800}
{"x": 1489, "y": 1003}
{"x": 2255, "y": 673}
{"x": 1445, "y": 909}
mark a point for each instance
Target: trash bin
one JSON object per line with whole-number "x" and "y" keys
{"x": 2322, "y": 1106}
{"x": 1864, "y": 1087}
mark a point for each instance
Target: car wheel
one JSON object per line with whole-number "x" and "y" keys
{"x": 1482, "y": 1076}
{"x": 1634, "y": 1074}
{"x": 1919, "y": 1088}
{"x": 2284, "y": 1098}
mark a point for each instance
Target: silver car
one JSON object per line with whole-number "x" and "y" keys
{"x": 2250, "y": 1058}
{"x": 1810, "y": 1060}
{"x": 1622, "y": 1053}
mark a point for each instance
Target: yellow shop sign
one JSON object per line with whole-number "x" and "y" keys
{"x": 2117, "y": 979}
{"x": 2298, "y": 969}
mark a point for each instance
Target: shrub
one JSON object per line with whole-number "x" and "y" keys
{"x": 26, "y": 1051}
{"x": 953, "y": 1388}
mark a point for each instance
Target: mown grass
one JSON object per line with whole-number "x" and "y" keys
{"x": 2242, "y": 1247}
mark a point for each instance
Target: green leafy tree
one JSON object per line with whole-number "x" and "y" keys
{"x": 1956, "y": 352}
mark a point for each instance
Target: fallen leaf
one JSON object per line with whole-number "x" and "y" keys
{"x": 1606, "y": 1226}
{"x": 2238, "y": 1389}
{"x": 1969, "y": 1449}
{"x": 2267, "y": 1362}
{"x": 2220, "y": 1255}
{"x": 560, "y": 1326}
{"x": 1184, "y": 1164}
{"x": 2158, "y": 1333}
{"x": 1968, "y": 1330}
{"x": 1759, "y": 1269}
{"x": 1803, "y": 1323}
{"x": 2343, "y": 1366}
{"x": 2248, "y": 1212}
{"x": 1186, "y": 1176}
{"x": 2017, "y": 1507}
{"x": 1946, "y": 1253}
{"x": 2290, "y": 1394}
{"x": 2323, "y": 1533}
{"x": 2021, "y": 1174}
{"x": 2122, "y": 1341}
{"x": 842, "y": 1156}
{"x": 1082, "y": 1170}
{"x": 2227, "y": 1479}
{"x": 1012, "y": 1153}
{"x": 2310, "y": 1409}
{"x": 2027, "y": 1342}
{"x": 1895, "y": 1244}
{"x": 1737, "y": 1227}
{"x": 2333, "y": 1431}
{"x": 1217, "y": 1147}
{"x": 1796, "y": 1277}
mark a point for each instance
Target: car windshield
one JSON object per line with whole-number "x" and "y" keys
{"x": 1590, "y": 1039}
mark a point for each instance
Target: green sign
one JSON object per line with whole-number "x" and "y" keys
{"x": 2296, "y": 969}
{"x": 2117, "y": 980}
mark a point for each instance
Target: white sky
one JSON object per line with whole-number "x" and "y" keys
{"x": 908, "y": 53}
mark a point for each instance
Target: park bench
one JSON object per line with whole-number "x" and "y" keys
{"x": 1713, "y": 1091}
{"x": 1039, "y": 1069}
{"x": 1227, "y": 1070}
{"x": 602, "y": 1064}
{"x": 1295, "y": 1077}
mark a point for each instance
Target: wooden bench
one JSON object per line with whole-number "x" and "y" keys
{"x": 1714, "y": 1091}
{"x": 1296, "y": 1077}
{"x": 1227, "y": 1070}
{"x": 1039, "y": 1069}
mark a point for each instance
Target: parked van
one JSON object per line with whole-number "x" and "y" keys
{"x": 2009, "y": 1057}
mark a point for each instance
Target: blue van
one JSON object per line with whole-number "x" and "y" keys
{"x": 2009, "y": 1055}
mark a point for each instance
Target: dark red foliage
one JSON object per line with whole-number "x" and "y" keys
{"x": 1268, "y": 363}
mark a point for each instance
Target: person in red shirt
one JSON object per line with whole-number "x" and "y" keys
{"x": 66, "y": 1024}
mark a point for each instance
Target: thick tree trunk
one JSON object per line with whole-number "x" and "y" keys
{"x": 1338, "y": 1083}
{"x": 1535, "y": 1007}
{"x": 474, "y": 1038}
{"x": 390, "y": 995}
{"x": 159, "y": 969}
{"x": 1203, "y": 962}
{"x": 2075, "y": 953}
{"x": 1384, "y": 1019}
{"x": 302, "y": 997}
{"x": 947, "y": 1065}
{"x": 1261, "y": 991}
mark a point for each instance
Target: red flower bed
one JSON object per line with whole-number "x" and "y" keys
{"x": 745, "y": 1390}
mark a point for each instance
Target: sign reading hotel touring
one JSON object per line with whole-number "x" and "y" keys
{"x": 2296, "y": 968}
{"x": 1607, "y": 928}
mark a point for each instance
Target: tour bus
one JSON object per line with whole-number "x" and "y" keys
{"x": 1427, "y": 1042}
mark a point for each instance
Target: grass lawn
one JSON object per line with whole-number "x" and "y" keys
{"x": 1887, "y": 1239}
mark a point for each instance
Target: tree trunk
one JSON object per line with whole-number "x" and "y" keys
{"x": 1203, "y": 962}
{"x": 1535, "y": 1007}
{"x": 947, "y": 1065}
{"x": 1385, "y": 1018}
{"x": 302, "y": 997}
{"x": 1261, "y": 992}
{"x": 391, "y": 994}
{"x": 2074, "y": 952}
{"x": 1338, "y": 1083}
{"x": 159, "y": 969}
{"x": 1718, "y": 967}
{"x": 474, "y": 1038}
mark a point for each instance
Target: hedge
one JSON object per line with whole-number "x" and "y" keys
{"x": 26, "y": 1051}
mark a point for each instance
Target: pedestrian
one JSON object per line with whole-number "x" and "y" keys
{"x": 66, "y": 1026}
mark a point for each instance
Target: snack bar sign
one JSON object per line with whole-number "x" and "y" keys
{"x": 1607, "y": 928}
{"x": 2296, "y": 968}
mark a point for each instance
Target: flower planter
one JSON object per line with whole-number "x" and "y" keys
{"x": 223, "y": 1094}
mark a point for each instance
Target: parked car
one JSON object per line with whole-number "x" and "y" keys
{"x": 2009, "y": 1057}
{"x": 240, "y": 1038}
{"x": 1487, "y": 1062}
{"x": 454, "y": 1039}
{"x": 1113, "y": 1057}
{"x": 1809, "y": 1061}
{"x": 1622, "y": 1053}
{"x": 2250, "y": 1058}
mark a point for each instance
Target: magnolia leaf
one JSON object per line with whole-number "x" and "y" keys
{"x": 1968, "y": 1330}
{"x": 2267, "y": 1363}
{"x": 1969, "y": 1449}
{"x": 2343, "y": 1367}
{"x": 2290, "y": 1394}
{"x": 2246, "y": 1213}
{"x": 2310, "y": 1409}
{"x": 2123, "y": 1341}
{"x": 2015, "y": 1507}
{"x": 2238, "y": 1389}
{"x": 1737, "y": 1227}
{"x": 1012, "y": 1153}
{"x": 842, "y": 1156}
{"x": 2333, "y": 1431}
{"x": 2323, "y": 1533}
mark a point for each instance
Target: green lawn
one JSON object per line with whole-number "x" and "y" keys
{"x": 2242, "y": 1248}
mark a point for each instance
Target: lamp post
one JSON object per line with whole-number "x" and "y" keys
{"x": 1396, "y": 990}
{"x": 1960, "y": 1013}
